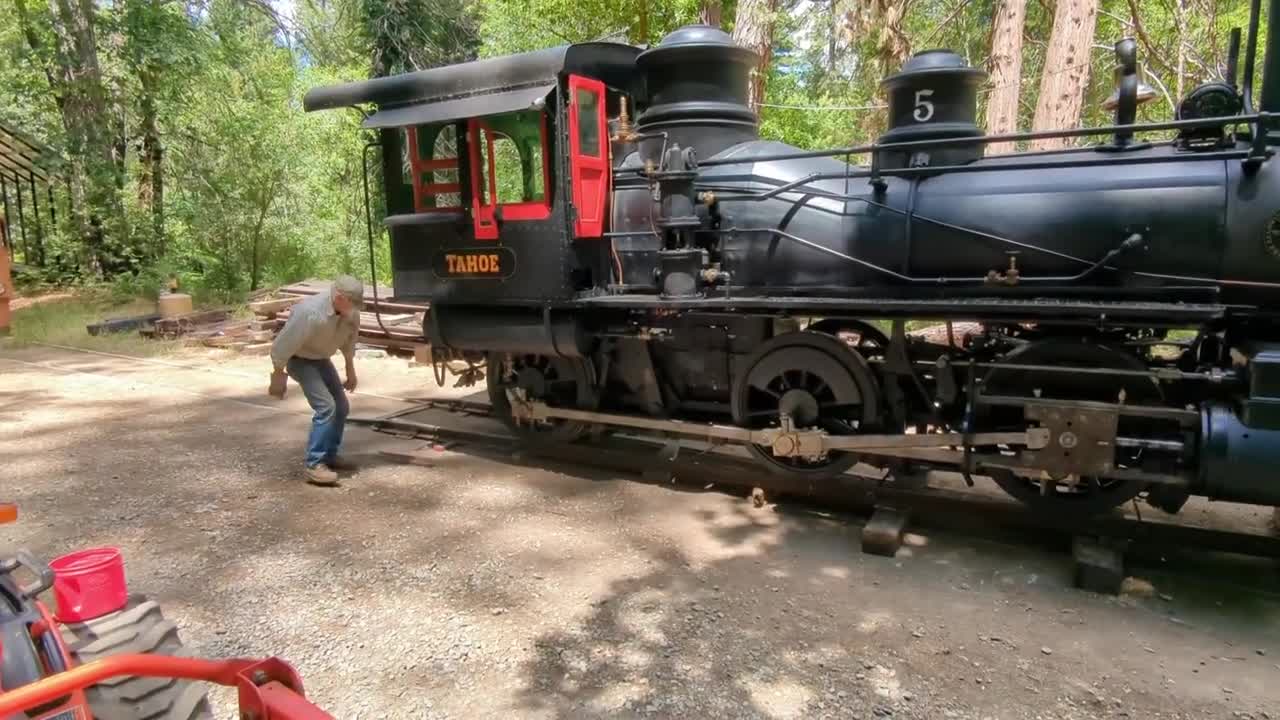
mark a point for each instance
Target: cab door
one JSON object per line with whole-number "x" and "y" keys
{"x": 589, "y": 171}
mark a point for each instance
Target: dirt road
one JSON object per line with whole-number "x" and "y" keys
{"x": 480, "y": 589}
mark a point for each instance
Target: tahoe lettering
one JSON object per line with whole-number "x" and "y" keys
{"x": 472, "y": 264}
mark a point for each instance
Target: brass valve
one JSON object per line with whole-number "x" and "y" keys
{"x": 624, "y": 133}
{"x": 1009, "y": 276}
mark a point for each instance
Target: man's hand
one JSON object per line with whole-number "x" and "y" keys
{"x": 279, "y": 381}
{"x": 350, "y": 384}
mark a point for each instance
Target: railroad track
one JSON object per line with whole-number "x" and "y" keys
{"x": 1099, "y": 543}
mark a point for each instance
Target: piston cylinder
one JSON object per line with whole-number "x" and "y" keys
{"x": 1237, "y": 462}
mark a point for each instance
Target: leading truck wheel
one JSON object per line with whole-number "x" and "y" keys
{"x": 139, "y": 629}
{"x": 816, "y": 380}
{"x": 558, "y": 382}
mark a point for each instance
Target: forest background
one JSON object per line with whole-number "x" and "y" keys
{"x": 177, "y": 145}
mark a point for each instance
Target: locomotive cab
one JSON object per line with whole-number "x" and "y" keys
{"x": 496, "y": 173}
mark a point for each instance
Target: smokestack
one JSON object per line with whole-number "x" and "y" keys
{"x": 1271, "y": 65}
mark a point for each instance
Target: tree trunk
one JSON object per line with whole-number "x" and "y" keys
{"x": 894, "y": 45}
{"x": 1181, "y": 19}
{"x": 95, "y": 182}
{"x": 1066, "y": 70}
{"x": 1006, "y": 72}
{"x": 642, "y": 22}
{"x": 152, "y": 185}
{"x": 753, "y": 29}
{"x": 834, "y": 34}
{"x": 139, "y": 46}
{"x": 883, "y": 20}
{"x": 709, "y": 13}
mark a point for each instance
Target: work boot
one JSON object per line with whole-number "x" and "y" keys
{"x": 322, "y": 475}
{"x": 338, "y": 462}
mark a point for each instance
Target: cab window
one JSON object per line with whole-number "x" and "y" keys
{"x": 511, "y": 171}
{"x": 433, "y": 165}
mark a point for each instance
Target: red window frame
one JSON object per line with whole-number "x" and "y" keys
{"x": 422, "y": 190}
{"x": 485, "y": 213}
{"x": 591, "y": 177}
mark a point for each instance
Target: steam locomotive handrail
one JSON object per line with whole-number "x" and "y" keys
{"x": 1259, "y": 119}
{"x": 1094, "y": 266}
{"x": 912, "y": 216}
{"x": 743, "y": 195}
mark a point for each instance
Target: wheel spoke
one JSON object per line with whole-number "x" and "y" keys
{"x": 833, "y": 405}
{"x": 767, "y": 391}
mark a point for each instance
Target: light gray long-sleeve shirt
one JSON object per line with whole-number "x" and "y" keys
{"x": 315, "y": 331}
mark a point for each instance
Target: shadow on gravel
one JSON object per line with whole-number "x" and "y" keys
{"x": 776, "y": 614}
{"x": 795, "y": 623}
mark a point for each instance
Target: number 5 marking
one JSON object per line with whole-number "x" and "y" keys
{"x": 924, "y": 108}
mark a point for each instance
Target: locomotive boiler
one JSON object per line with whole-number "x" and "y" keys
{"x": 604, "y": 228}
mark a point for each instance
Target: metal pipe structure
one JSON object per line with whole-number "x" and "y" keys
{"x": 8, "y": 215}
{"x": 934, "y": 143}
{"x": 38, "y": 257}
{"x": 267, "y": 688}
{"x": 22, "y": 224}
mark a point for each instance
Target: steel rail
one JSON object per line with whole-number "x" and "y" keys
{"x": 945, "y": 508}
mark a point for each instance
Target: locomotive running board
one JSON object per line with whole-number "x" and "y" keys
{"x": 1005, "y": 309}
{"x": 785, "y": 441}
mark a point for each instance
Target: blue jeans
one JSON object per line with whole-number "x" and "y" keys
{"x": 324, "y": 391}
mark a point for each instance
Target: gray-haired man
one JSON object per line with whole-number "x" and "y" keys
{"x": 318, "y": 327}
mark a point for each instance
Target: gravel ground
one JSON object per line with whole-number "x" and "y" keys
{"x": 474, "y": 588}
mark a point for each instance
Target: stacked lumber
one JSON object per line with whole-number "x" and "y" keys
{"x": 169, "y": 328}
{"x": 246, "y": 336}
{"x": 125, "y": 324}
{"x": 937, "y": 334}
{"x": 392, "y": 326}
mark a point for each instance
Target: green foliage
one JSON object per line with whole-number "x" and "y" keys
{"x": 821, "y": 68}
{"x": 256, "y": 192}
{"x": 62, "y": 321}
{"x": 405, "y": 35}
{"x": 511, "y": 26}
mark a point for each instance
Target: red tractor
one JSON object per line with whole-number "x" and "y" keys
{"x": 122, "y": 664}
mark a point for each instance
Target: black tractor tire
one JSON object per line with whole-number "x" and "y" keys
{"x": 138, "y": 629}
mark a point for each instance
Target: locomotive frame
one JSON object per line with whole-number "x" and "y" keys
{"x": 682, "y": 276}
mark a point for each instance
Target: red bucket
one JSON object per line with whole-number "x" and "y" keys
{"x": 88, "y": 584}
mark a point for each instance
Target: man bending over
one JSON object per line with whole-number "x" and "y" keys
{"x": 318, "y": 327}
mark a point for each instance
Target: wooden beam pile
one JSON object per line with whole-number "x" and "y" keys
{"x": 392, "y": 326}
{"x": 400, "y": 329}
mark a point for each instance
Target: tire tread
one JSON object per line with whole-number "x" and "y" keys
{"x": 140, "y": 628}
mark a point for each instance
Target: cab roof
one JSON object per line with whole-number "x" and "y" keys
{"x": 479, "y": 88}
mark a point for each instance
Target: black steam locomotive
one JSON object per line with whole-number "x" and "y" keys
{"x": 1106, "y": 315}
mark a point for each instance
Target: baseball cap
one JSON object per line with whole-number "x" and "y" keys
{"x": 351, "y": 288}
